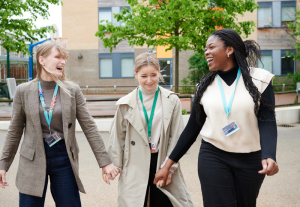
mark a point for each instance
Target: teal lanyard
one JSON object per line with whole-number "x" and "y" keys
{"x": 228, "y": 108}
{"x": 149, "y": 123}
{"x": 48, "y": 117}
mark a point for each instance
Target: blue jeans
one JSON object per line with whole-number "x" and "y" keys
{"x": 63, "y": 185}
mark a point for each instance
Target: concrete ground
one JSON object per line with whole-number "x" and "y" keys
{"x": 281, "y": 190}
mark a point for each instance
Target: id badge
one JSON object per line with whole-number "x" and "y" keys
{"x": 53, "y": 139}
{"x": 152, "y": 147}
{"x": 230, "y": 129}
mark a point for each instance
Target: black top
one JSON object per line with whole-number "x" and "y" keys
{"x": 267, "y": 125}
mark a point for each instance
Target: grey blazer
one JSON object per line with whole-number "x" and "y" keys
{"x": 32, "y": 166}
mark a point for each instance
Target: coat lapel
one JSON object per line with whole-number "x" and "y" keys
{"x": 66, "y": 104}
{"x": 34, "y": 101}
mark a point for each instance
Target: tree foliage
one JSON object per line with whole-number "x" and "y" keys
{"x": 294, "y": 31}
{"x": 178, "y": 24}
{"x": 198, "y": 68}
{"x": 15, "y": 30}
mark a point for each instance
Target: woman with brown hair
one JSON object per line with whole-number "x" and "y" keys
{"x": 46, "y": 110}
{"x": 145, "y": 129}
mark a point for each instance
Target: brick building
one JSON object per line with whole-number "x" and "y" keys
{"x": 93, "y": 65}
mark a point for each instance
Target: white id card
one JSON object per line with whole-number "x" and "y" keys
{"x": 152, "y": 147}
{"x": 230, "y": 129}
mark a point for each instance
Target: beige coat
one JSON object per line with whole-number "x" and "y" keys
{"x": 129, "y": 150}
{"x": 32, "y": 166}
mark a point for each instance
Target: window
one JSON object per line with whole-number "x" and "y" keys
{"x": 265, "y": 15}
{"x": 288, "y": 10}
{"x": 106, "y": 68}
{"x": 127, "y": 67}
{"x": 287, "y": 63}
{"x": 267, "y": 62}
{"x": 105, "y": 14}
{"x": 116, "y": 65}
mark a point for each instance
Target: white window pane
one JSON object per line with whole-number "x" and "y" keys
{"x": 127, "y": 67}
{"x": 106, "y": 68}
{"x": 288, "y": 13}
{"x": 267, "y": 61}
{"x": 105, "y": 15}
{"x": 264, "y": 17}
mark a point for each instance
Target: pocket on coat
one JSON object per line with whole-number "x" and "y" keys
{"x": 75, "y": 152}
{"x": 27, "y": 152}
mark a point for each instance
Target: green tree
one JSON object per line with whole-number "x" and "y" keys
{"x": 198, "y": 68}
{"x": 181, "y": 24}
{"x": 16, "y": 30}
{"x": 294, "y": 31}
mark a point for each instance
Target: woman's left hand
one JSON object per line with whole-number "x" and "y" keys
{"x": 270, "y": 167}
{"x": 109, "y": 172}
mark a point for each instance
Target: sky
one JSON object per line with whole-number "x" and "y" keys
{"x": 54, "y": 18}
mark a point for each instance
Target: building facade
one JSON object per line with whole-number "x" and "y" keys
{"x": 90, "y": 64}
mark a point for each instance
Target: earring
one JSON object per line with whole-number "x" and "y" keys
{"x": 228, "y": 55}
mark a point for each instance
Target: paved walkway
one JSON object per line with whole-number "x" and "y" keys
{"x": 281, "y": 190}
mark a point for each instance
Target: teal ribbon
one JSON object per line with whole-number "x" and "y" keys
{"x": 228, "y": 108}
{"x": 149, "y": 123}
{"x": 47, "y": 117}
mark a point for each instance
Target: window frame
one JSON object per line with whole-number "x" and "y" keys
{"x": 105, "y": 9}
{"x": 265, "y": 5}
{"x": 267, "y": 53}
{"x": 116, "y": 64}
{"x": 283, "y": 52}
{"x": 287, "y": 3}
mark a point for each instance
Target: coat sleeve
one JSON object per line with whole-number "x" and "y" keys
{"x": 90, "y": 130}
{"x": 14, "y": 134}
{"x": 176, "y": 126}
{"x": 117, "y": 139}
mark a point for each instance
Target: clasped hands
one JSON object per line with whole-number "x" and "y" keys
{"x": 109, "y": 172}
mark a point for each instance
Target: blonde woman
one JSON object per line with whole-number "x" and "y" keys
{"x": 46, "y": 109}
{"x": 145, "y": 130}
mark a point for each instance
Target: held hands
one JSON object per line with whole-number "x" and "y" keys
{"x": 109, "y": 172}
{"x": 270, "y": 167}
{"x": 160, "y": 182}
{"x": 162, "y": 177}
{"x": 3, "y": 182}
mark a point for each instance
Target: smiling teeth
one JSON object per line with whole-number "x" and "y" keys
{"x": 209, "y": 59}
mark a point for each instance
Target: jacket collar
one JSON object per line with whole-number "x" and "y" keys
{"x": 133, "y": 114}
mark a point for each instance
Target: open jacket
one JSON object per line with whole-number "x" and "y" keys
{"x": 32, "y": 166}
{"x": 129, "y": 150}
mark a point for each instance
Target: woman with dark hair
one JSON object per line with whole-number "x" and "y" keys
{"x": 234, "y": 114}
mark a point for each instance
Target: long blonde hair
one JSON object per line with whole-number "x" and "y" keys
{"x": 44, "y": 50}
{"x": 146, "y": 59}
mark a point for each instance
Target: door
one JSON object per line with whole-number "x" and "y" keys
{"x": 166, "y": 72}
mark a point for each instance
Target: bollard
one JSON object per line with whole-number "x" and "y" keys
{"x": 192, "y": 102}
{"x": 297, "y": 93}
{"x": 283, "y": 86}
{"x": 87, "y": 89}
{"x": 115, "y": 89}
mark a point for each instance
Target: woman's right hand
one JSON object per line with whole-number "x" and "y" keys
{"x": 3, "y": 182}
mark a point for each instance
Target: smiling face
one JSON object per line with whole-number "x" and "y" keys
{"x": 54, "y": 62}
{"x": 216, "y": 54}
{"x": 148, "y": 77}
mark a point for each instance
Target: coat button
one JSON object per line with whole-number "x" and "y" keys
{"x": 132, "y": 143}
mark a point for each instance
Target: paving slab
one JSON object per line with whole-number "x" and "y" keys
{"x": 281, "y": 190}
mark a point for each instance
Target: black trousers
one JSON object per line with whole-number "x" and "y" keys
{"x": 229, "y": 179}
{"x": 157, "y": 197}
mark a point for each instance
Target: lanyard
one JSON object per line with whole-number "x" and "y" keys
{"x": 149, "y": 123}
{"x": 228, "y": 108}
{"x": 48, "y": 117}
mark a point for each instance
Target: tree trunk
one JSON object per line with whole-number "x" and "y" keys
{"x": 176, "y": 70}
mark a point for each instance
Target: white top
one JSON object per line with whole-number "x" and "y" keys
{"x": 247, "y": 139}
{"x": 148, "y": 97}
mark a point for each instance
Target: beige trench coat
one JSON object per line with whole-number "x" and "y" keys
{"x": 129, "y": 150}
{"x": 32, "y": 166}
